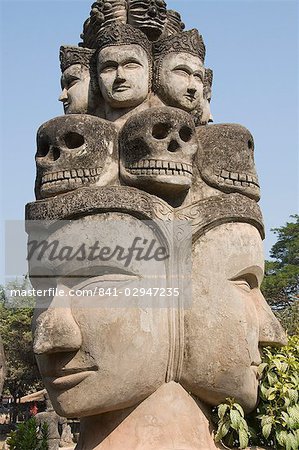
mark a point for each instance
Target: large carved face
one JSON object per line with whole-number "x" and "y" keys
{"x": 180, "y": 79}
{"x": 75, "y": 151}
{"x": 157, "y": 148}
{"x": 229, "y": 320}
{"x": 94, "y": 353}
{"x": 123, "y": 74}
{"x": 227, "y": 160}
{"x": 75, "y": 84}
{"x": 149, "y": 16}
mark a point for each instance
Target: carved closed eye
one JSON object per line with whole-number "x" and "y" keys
{"x": 73, "y": 140}
{"x": 161, "y": 130}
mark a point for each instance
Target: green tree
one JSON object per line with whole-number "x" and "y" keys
{"x": 28, "y": 437}
{"x": 15, "y": 329}
{"x": 281, "y": 283}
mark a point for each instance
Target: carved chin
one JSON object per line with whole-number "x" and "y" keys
{"x": 153, "y": 175}
{"x": 66, "y": 180}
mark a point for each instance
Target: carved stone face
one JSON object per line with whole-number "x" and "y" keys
{"x": 149, "y": 16}
{"x": 227, "y": 161}
{"x": 100, "y": 357}
{"x": 123, "y": 74}
{"x": 180, "y": 81}
{"x": 74, "y": 151}
{"x": 75, "y": 83}
{"x": 157, "y": 149}
{"x": 230, "y": 319}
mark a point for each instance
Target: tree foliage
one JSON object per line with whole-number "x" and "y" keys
{"x": 15, "y": 330}
{"x": 275, "y": 422}
{"x": 281, "y": 283}
{"x": 28, "y": 437}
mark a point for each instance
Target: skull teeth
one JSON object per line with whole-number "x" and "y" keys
{"x": 158, "y": 167}
{"x": 238, "y": 179}
{"x": 72, "y": 175}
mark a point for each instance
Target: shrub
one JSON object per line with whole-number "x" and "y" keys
{"x": 28, "y": 437}
{"x": 275, "y": 422}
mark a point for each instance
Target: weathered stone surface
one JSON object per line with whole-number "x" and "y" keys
{"x": 73, "y": 151}
{"x": 227, "y": 160}
{"x": 179, "y": 71}
{"x": 222, "y": 356}
{"x": 76, "y": 95}
{"x": 140, "y": 375}
{"x": 157, "y": 149}
{"x": 149, "y": 16}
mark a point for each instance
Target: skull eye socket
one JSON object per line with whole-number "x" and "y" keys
{"x": 186, "y": 133}
{"x": 73, "y": 140}
{"x": 43, "y": 148}
{"x": 160, "y": 130}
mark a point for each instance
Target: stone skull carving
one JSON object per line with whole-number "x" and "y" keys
{"x": 74, "y": 151}
{"x": 157, "y": 148}
{"x": 149, "y": 16}
{"x": 226, "y": 161}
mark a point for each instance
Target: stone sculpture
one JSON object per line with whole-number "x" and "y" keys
{"x": 76, "y": 93}
{"x": 54, "y": 422}
{"x": 143, "y": 173}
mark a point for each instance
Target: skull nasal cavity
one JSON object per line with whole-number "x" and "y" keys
{"x": 173, "y": 146}
{"x": 186, "y": 134}
{"x": 160, "y": 130}
{"x": 73, "y": 140}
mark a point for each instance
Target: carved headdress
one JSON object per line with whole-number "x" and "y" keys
{"x": 74, "y": 55}
{"x": 103, "y": 13}
{"x": 174, "y": 23}
{"x": 123, "y": 34}
{"x": 186, "y": 41}
{"x": 208, "y": 80}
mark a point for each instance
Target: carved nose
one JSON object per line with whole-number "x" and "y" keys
{"x": 271, "y": 332}
{"x": 56, "y": 331}
{"x": 54, "y": 153}
{"x": 191, "y": 91}
{"x": 63, "y": 96}
{"x": 173, "y": 146}
{"x": 152, "y": 12}
{"x": 120, "y": 74}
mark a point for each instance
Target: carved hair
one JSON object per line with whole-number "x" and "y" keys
{"x": 69, "y": 56}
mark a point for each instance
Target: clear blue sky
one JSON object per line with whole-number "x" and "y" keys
{"x": 252, "y": 46}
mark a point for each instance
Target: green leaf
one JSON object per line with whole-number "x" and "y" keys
{"x": 266, "y": 430}
{"x": 222, "y": 431}
{"x": 243, "y": 438}
{"x": 222, "y": 410}
{"x": 261, "y": 368}
{"x": 239, "y": 408}
{"x": 235, "y": 418}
